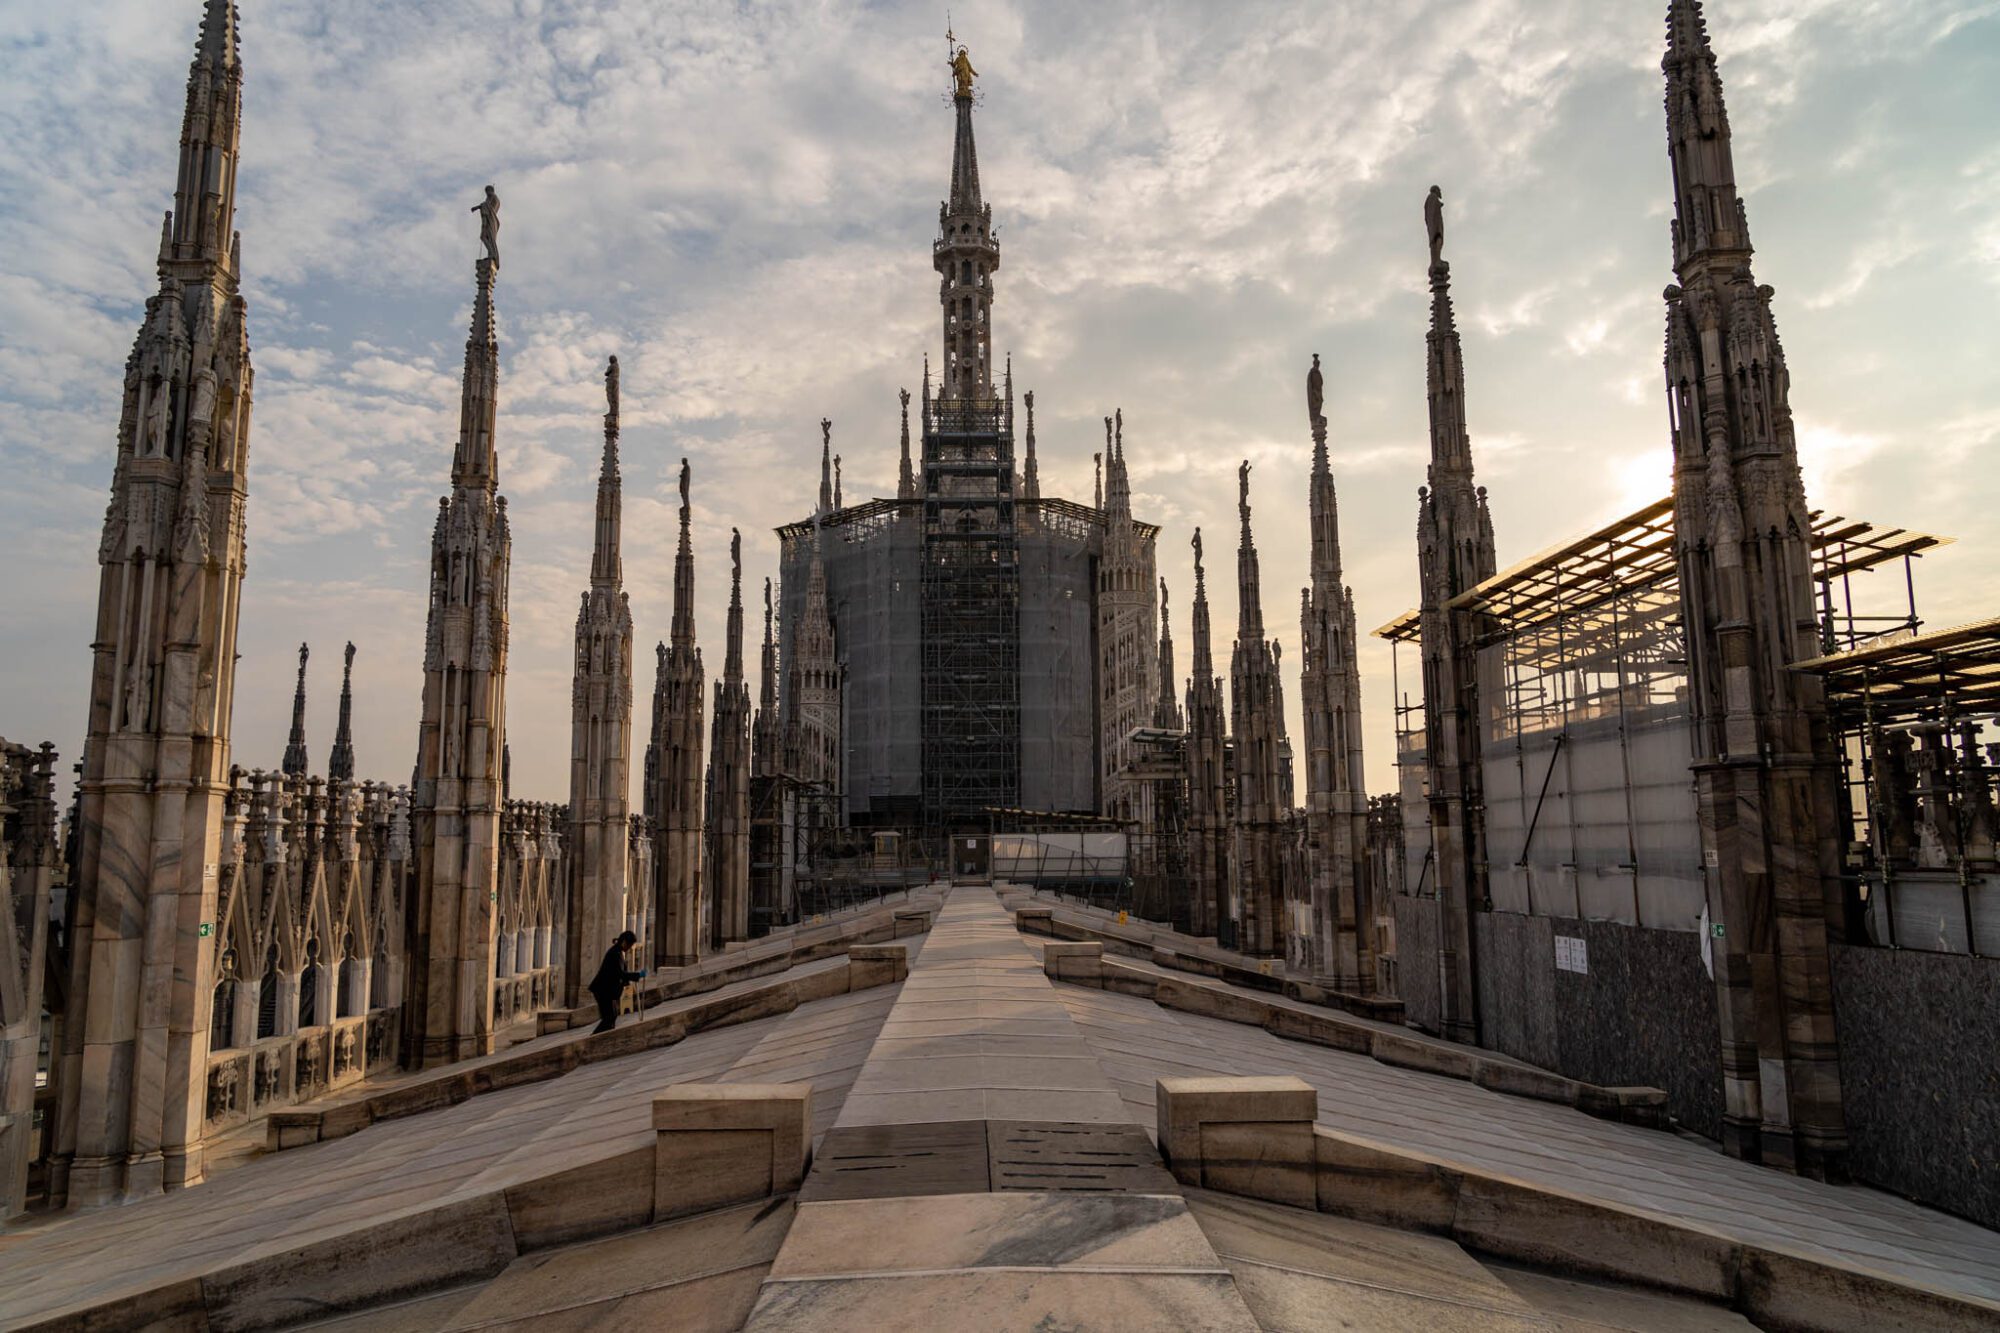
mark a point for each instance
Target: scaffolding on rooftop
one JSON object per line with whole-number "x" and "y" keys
{"x": 971, "y": 604}
{"x": 1585, "y": 714}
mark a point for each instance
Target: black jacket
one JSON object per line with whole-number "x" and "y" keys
{"x": 611, "y": 976}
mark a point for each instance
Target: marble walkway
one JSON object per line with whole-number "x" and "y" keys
{"x": 274, "y": 1203}
{"x": 1665, "y": 1174}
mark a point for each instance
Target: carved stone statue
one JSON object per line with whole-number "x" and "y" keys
{"x": 489, "y": 225}
{"x": 1434, "y": 223}
{"x": 962, "y": 73}
{"x": 222, "y": 1082}
{"x": 1315, "y": 394}
{"x": 1196, "y": 543}
{"x": 684, "y": 483}
{"x": 156, "y": 418}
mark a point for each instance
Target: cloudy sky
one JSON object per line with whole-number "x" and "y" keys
{"x": 738, "y": 200}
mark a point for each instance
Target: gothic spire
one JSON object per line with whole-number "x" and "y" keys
{"x": 1709, "y": 221}
{"x": 1249, "y": 605}
{"x": 475, "y": 464}
{"x": 683, "y": 622}
{"x": 906, "y": 481}
{"x": 607, "y": 570}
{"x": 204, "y": 214}
{"x": 836, "y": 482}
{"x": 1204, "y": 660}
{"x": 1451, "y": 449}
{"x": 1031, "y": 476}
{"x": 825, "y": 465}
{"x": 340, "y": 764}
{"x": 966, "y": 255}
{"x": 1325, "y": 505}
{"x": 296, "y": 763}
{"x": 765, "y": 736}
{"x": 1166, "y": 710}
{"x": 732, "y": 662}
{"x": 1117, "y": 484}
{"x": 216, "y": 51}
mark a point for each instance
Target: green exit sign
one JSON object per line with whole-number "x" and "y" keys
{"x": 206, "y": 929}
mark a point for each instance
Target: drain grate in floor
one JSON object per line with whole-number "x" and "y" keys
{"x": 981, "y": 1156}
{"x": 1024, "y": 1155}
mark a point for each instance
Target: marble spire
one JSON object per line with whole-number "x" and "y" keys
{"x": 296, "y": 761}
{"x": 340, "y": 763}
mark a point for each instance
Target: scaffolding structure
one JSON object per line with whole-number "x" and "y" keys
{"x": 1586, "y": 725}
{"x": 1916, "y": 717}
{"x": 971, "y": 613}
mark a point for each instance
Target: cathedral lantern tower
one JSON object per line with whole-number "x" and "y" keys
{"x": 966, "y": 255}
{"x": 971, "y": 579}
{"x": 156, "y": 759}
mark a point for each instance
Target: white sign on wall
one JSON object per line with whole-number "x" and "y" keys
{"x": 1572, "y": 954}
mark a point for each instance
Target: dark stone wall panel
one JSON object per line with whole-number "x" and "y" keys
{"x": 1644, "y": 1014}
{"x": 1920, "y": 1074}
{"x": 1517, "y": 1010}
{"x": 1417, "y": 961}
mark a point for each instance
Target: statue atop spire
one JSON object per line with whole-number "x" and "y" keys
{"x": 489, "y": 225}
{"x": 611, "y": 401}
{"x": 825, "y": 465}
{"x": 1316, "y": 398}
{"x": 962, "y": 74}
{"x": 1243, "y": 498}
{"x": 1433, "y": 227}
